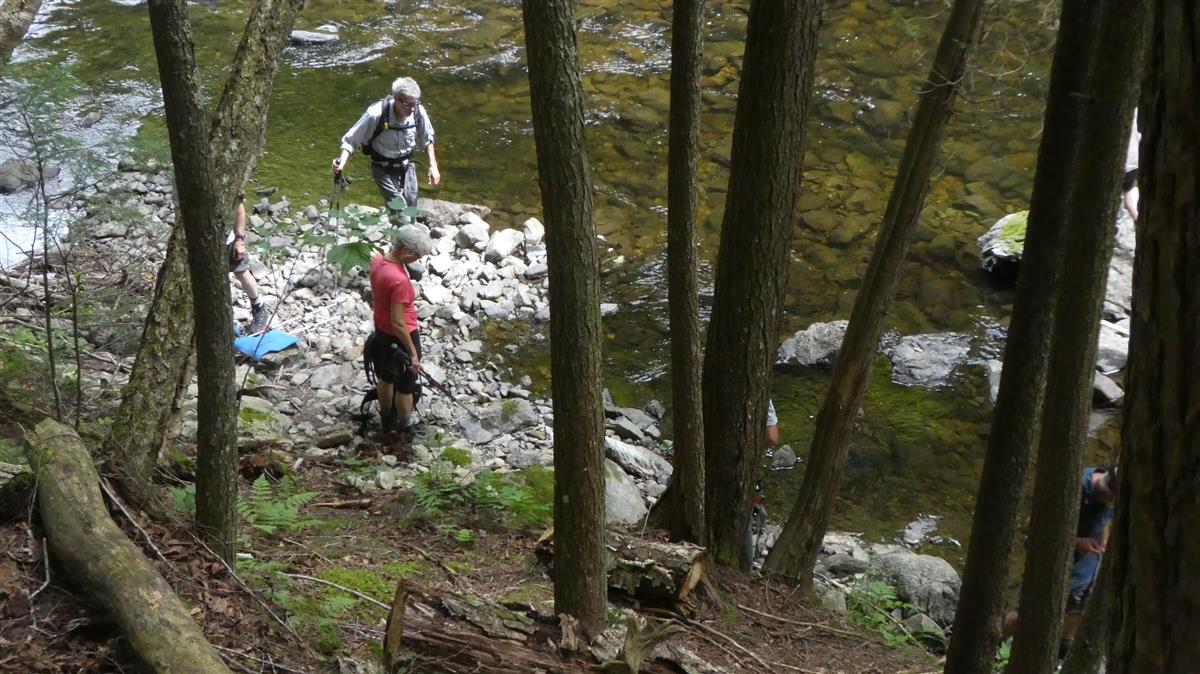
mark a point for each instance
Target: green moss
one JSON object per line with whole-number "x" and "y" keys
{"x": 1013, "y": 231}
{"x": 11, "y": 452}
{"x": 250, "y": 416}
{"x": 508, "y": 408}
{"x": 363, "y": 580}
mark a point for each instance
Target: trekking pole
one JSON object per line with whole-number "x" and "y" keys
{"x": 435, "y": 384}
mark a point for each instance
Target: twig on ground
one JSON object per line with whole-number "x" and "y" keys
{"x": 699, "y": 625}
{"x": 45, "y": 583}
{"x": 248, "y": 589}
{"x": 112, "y": 497}
{"x": 355, "y": 503}
{"x": 798, "y": 623}
{"x": 310, "y": 550}
{"x": 241, "y": 654}
{"x": 343, "y": 588}
{"x": 451, "y": 573}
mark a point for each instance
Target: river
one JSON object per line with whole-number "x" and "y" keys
{"x": 916, "y": 451}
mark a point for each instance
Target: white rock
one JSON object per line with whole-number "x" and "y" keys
{"x": 503, "y": 243}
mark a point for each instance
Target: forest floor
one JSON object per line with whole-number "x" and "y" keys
{"x": 263, "y": 616}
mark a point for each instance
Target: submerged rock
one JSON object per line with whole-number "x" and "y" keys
{"x": 928, "y": 360}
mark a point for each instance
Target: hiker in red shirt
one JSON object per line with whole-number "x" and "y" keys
{"x": 394, "y": 349}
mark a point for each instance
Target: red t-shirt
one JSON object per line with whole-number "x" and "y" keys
{"x": 390, "y": 285}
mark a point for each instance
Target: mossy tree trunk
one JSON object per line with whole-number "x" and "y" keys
{"x": 1017, "y": 414}
{"x": 100, "y": 559}
{"x": 236, "y": 136}
{"x": 795, "y": 553}
{"x": 564, "y": 175}
{"x": 685, "y": 507}
{"x": 1109, "y": 94}
{"x": 1156, "y": 560}
{"x": 756, "y": 241}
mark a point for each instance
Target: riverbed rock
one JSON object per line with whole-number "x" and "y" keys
{"x": 472, "y": 235}
{"x": 439, "y": 213}
{"x": 1112, "y": 350}
{"x": 1004, "y": 242}
{"x": 783, "y": 458}
{"x": 260, "y": 425}
{"x": 534, "y": 230}
{"x": 17, "y": 174}
{"x": 637, "y": 461}
{"x": 507, "y": 416}
{"x": 815, "y": 346}
{"x": 1105, "y": 392}
{"x": 623, "y": 502}
{"x": 928, "y": 360}
{"x": 925, "y": 581}
{"x": 309, "y": 37}
{"x": 503, "y": 244}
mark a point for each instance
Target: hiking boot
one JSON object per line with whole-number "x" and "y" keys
{"x": 258, "y": 320}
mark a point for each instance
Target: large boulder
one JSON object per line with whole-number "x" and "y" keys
{"x": 507, "y": 416}
{"x": 503, "y": 244}
{"x": 928, "y": 360}
{"x": 637, "y": 460}
{"x": 16, "y": 174}
{"x": 622, "y": 501}
{"x": 1004, "y": 242}
{"x": 816, "y": 345}
{"x": 1112, "y": 349}
{"x": 260, "y": 425}
{"x": 925, "y": 581}
{"x": 439, "y": 213}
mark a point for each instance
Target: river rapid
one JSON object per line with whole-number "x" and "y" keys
{"x": 916, "y": 451}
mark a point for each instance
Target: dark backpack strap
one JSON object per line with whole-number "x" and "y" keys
{"x": 384, "y": 123}
{"x": 368, "y": 358}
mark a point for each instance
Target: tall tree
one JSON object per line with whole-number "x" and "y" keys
{"x": 238, "y": 130}
{"x": 796, "y": 550}
{"x": 1109, "y": 94}
{"x": 204, "y": 218}
{"x": 1156, "y": 562}
{"x": 756, "y": 238}
{"x": 685, "y": 501}
{"x": 1017, "y": 415}
{"x": 565, "y": 178}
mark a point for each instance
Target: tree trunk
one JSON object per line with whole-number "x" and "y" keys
{"x": 794, "y": 554}
{"x": 141, "y": 425}
{"x": 204, "y": 221}
{"x": 98, "y": 556}
{"x": 16, "y": 482}
{"x": 756, "y": 236}
{"x": 1017, "y": 414}
{"x": 1109, "y": 94}
{"x": 1156, "y": 563}
{"x": 1091, "y": 644}
{"x": 564, "y": 175}
{"x": 685, "y": 509}
{"x": 15, "y": 17}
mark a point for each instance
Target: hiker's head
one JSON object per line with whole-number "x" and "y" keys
{"x": 1107, "y": 484}
{"x": 406, "y": 91}
{"x": 412, "y": 241}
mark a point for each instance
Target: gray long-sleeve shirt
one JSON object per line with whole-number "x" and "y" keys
{"x": 412, "y": 133}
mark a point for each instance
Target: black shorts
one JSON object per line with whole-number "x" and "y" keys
{"x": 237, "y": 264}
{"x": 391, "y": 362}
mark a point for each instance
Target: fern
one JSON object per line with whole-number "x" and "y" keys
{"x": 269, "y": 509}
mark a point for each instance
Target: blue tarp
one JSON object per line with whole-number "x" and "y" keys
{"x": 257, "y": 346}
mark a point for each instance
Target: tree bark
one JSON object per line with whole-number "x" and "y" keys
{"x": 1156, "y": 562}
{"x": 15, "y": 17}
{"x": 140, "y": 427}
{"x": 97, "y": 555}
{"x": 564, "y": 175}
{"x": 1017, "y": 414}
{"x": 685, "y": 507}
{"x": 756, "y": 235}
{"x": 204, "y": 222}
{"x": 795, "y": 553}
{"x": 16, "y": 482}
{"x": 1109, "y": 94}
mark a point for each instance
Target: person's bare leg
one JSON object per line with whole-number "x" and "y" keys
{"x": 1071, "y": 623}
{"x": 246, "y": 279}
{"x": 386, "y": 412}
{"x": 404, "y": 404}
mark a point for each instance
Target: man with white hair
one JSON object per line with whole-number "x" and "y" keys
{"x": 394, "y": 349}
{"x": 389, "y": 132}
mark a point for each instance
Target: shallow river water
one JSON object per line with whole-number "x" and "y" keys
{"x": 916, "y": 451}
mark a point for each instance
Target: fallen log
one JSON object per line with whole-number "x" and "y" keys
{"x": 653, "y": 572}
{"x": 15, "y": 482}
{"x": 429, "y": 630}
{"x": 101, "y": 560}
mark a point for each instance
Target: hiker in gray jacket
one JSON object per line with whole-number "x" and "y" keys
{"x": 389, "y": 132}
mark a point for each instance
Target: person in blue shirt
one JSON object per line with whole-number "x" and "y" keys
{"x": 1098, "y": 492}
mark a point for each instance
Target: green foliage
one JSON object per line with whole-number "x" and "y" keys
{"x": 184, "y": 498}
{"x": 11, "y": 452}
{"x": 457, "y": 456}
{"x": 525, "y": 498}
{"x": 347, "y": 256}
{"x": 874, "y": 606}
{"x": 269, "y": 509}
{"x": 1000, "y": 665}
{"x": 362, "y": 580}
